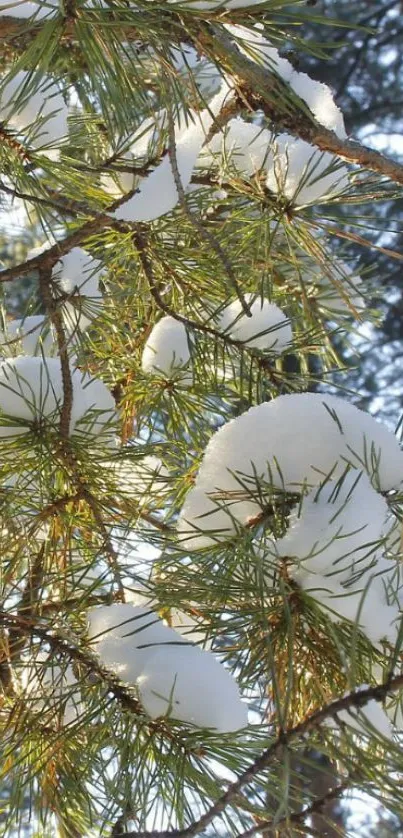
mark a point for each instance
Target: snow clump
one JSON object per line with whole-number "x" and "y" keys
{"x": 158, "y": 193}
{"x": 302, "y": 173}
{"x": 20, "y": 107}
{"x": 174, "y": 678}
{"x": 291, "y": 442}
{"x": 267, "y": 328}
{"x": 31, "y": 390}
{"x": 166, "y": 351}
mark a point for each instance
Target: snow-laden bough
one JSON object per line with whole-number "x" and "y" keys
{"x": 31, "y": 392}
{"x": 291, "y": 442}
{"x": 173, "y": 676}
{"x": 158, "y": 193}
{"x": 268, "y": 328}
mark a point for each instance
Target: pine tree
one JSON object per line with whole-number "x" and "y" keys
{"x": 197, "y": 533}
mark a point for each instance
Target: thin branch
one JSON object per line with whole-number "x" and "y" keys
{"x": 45, "y": 279}
{"x": 270, "y": 828}
{"x": 206, "y": 235}
{"x": 283, "y": 740}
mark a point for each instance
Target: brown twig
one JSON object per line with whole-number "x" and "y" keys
{"x": 45, "y": 279}
{"x": 269, "y": 828}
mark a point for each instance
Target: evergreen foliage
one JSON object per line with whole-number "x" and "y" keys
{"x": 189, "y": 532}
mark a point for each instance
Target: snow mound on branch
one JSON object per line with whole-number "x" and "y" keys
{"x": 21, "y": 9}
{"x": 366, "y": 721}
{"x": 293, "y": 441}
{"x": 336, "y": 528}
{"x": 94, "y": 409}
{"x": 267, "y": 328}
{"x": 190, "y": 628}
{"x": 173, "y": 677}
{"x": 302, "y": 173}
{"x": 31, "y": 389}
{"x": 29, "y": 336}
{"x": 245, "y": 144}
{"x": 368, "y": 600}
{"x": 166, "y": 350}
{"x": 125, "y": 636}
{"x": 158, "y": 193}
{"x": 316, "y": 95}
{"x": 189, "y": 684}
{"x": 320, "y": 101}
{"x": 20, "y": 107}
{"x": 253, "y": 44}
{"x": 77, "y": 274}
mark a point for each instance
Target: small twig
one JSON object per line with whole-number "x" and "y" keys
{"x": 45, "y": 278}
{"x": 141, "y": 243}
{"x": 269, "y": 828}
{"x": 206, "y": 235}
{"x": 113, "y": 558}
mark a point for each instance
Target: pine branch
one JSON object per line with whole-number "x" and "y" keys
{"x": 45, "y": 280}
{"x": 286, "y": 738}
{"x": 270, "y": 828}
{"x": 257, "y": 86}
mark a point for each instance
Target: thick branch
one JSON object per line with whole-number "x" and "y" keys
{"x": 264, "y": 90}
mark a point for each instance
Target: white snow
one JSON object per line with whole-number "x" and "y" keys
{"x": 94, "y": 409}
{"x": 190, "y": 627}
{"x": 336, "y": 528}
{"x": 246, "y": 145}
{"x": 142, "y": 650}
{"x": 316, "y": 95}
{"x": 302, "y": 173}
{"x": 31, "y": 388}
{"x": 320, "y": 101}
{"x": 46, "y": 102}
{"x": 31, "y": 335}
{"x": 166, "y": 350}
{"x": 190, "y": 685}
{"x": 158, "y": 194}
{"x": 267, "y": 328}
{"x": 126, "y": 636}
{"x": 253, "y": 44}
{"x": 291, "y": 441}
{"x": 369, "y": 600}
